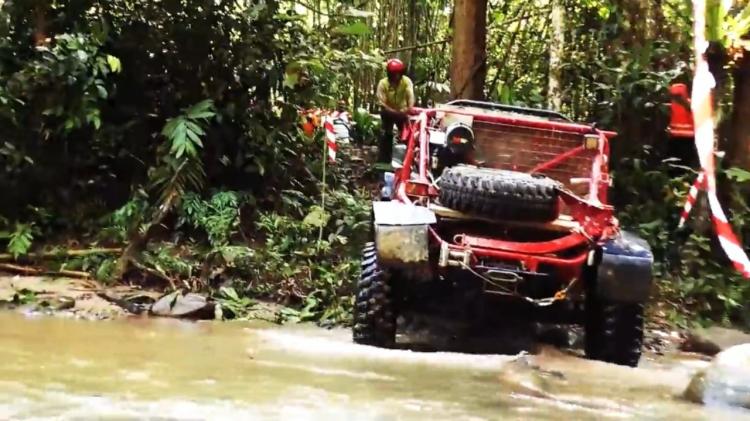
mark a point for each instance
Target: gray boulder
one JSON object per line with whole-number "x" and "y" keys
{"x": 713, "y": 340}
{"x": 726, "y": 382}
{"x": 189, "y": 305}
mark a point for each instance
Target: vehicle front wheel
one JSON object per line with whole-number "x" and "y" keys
{"x": 613, "y": 331}
{"x": 374, "y": 310}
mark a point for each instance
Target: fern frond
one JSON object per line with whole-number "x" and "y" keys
{"x": 21, "y": 240}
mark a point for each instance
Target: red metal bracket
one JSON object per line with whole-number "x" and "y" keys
{"x": 596, "y": 220}
{"x": 543, "y": 247}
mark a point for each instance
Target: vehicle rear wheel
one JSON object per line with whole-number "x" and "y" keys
{"x": 499, "y": 193}
{"x": 374, "y": 310}
{"x": 613, "y": 331}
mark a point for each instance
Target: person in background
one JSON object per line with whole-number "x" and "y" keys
{"x": 396, "y": 97}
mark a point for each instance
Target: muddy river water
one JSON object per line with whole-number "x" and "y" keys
{"x": 54, "y": 368}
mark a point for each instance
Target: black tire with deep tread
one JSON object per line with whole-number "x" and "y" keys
{"x": 499, "y": 194}
{"x": 374, "y": 312}
{"x": 614, "y": 331}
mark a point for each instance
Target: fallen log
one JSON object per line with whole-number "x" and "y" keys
{"x": 26, "y": 270}
{"x": 62, "y": 253}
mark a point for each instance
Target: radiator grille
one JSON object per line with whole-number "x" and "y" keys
{"x": 521, "y": 149}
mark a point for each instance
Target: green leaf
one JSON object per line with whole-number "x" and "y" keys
{"x": 201, "y": 110}
{"x": 317, "y": 217}
{"x": 357, "y": 29}
{"x": 169, "y": 128}
{"x": 715, "y": 15}
{"x": 102, "y": 91}
{"x": 193, "y": 136}
{"x": 195, "y": 128}
{"x": 104, "y": 271}
{"x": 291, "y": 79}
{"x": 70, "y": 123}
{"x": 260, "y": 166}
{"x": 604, "y": 13}
{"x": 313, "y": 63}
{"x": 202, "y": 115}
{"x": 20, "y": 240}
{"x": 742, "y": 25}
{"x": 114, "y": 63}
{"x": 738, "y": 174}
{"x": 230, "y": 293}
{"x": 82, "y": 55}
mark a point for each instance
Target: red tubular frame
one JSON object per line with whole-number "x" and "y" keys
{"x": 519, "y": 121}
{"x": 593, "y": 215}
{"x": 552, "y": 163}
{"x": 544, "y": 247}
{"x": 530, "y": 260}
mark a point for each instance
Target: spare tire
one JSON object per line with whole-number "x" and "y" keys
{"x": 500, "y": 194}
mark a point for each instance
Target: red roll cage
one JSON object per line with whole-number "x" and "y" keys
{"x": 587, "y": 222}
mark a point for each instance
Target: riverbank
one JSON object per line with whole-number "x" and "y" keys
{"x": 90, "y": 300}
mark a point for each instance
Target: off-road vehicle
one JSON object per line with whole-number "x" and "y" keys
{"x": 505, "y": 202}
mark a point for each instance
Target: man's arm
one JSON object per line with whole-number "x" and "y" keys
{"x": 410, "y": 100}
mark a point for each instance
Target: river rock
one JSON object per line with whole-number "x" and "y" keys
{"x": 713, "y": 340}
{"x": 63, "y": 303}
{"x": 190, "y": 305}
{"x": 725, "y": 382}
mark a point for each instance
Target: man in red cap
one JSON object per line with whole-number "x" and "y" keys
{"x": 396, "y": 96}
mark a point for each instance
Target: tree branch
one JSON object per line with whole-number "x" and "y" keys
{"x": 417, "y": 46}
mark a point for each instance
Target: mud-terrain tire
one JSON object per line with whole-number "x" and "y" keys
{"x": 613, "y": 331}
{"x": 499, "y": 194}
{"x": 374, "y": 310}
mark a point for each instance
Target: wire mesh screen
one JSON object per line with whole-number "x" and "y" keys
{"x": 521, "y": 149}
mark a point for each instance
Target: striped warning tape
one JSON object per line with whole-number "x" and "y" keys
{"x": 701, "y": 99}
{"x": 325, "y": 119}
{"x": 692, "y": 197}
{"x": 330, "y": 137}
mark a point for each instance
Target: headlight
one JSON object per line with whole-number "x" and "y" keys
{"x": 459, "y": 134}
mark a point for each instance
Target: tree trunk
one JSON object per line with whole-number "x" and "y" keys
{"x": 739, "y": 148}
{"x": 556, "y": 50}
{"x": 636, "y": 16}
{"x": 469, "y": 65}
{"x": 41, "y": 38}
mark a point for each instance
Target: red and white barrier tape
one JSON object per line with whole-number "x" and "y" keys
{"x": 692, "y": 196}
{"x": 701, "y": 100}
{"x": 596, "y": 170}
{"x": 327, "y": 119}
{"x": 330, "y": 137}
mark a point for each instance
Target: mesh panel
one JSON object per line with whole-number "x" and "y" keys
{"x": 521, "y": 149}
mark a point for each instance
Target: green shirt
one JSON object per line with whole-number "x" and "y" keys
{"x": 400, "y": 97}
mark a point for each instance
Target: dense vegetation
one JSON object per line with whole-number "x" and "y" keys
{"x": 169, "y": 129}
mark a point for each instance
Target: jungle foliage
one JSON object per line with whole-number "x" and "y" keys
{"x": 170, "y": 129}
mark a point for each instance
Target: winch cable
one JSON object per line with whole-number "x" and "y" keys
{"x": 541, "y": 302}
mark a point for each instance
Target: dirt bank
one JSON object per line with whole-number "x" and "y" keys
{"x": 88, "y": 299}
{"x": 62, "y": 296}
